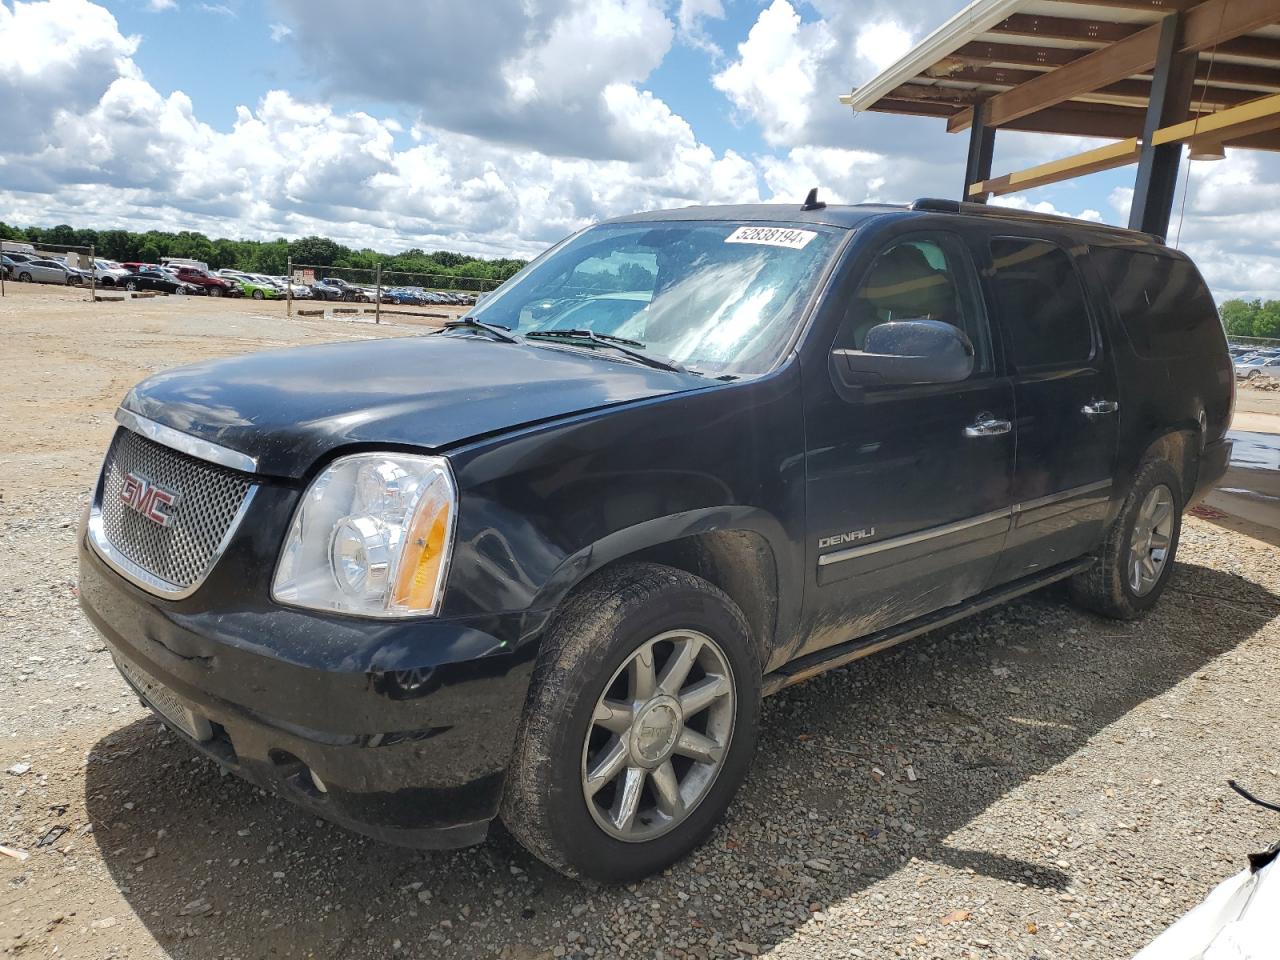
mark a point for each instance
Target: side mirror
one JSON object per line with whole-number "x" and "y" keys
{"x": 906, "y": 352}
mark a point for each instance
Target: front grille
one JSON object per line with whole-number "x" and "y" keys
{"x": 208, "y": 500}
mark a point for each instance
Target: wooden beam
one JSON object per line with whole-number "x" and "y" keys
{"x": 1257, "y": 116}
{"x": 985, "y": 52}
{"x": 1205, "y": 25}
{"x": 1121, "y": 60}
{"x": 1155, "y": 6}
{"x": 1216, "y": 21}
{"x": 1065, "y": 28}
{"x": 1091, "y": 161}
{"x": 983, "y": 55}
{"x": 1104, "y": 120}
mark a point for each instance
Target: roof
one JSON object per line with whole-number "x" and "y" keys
{"x": 991, "y": 49}
{"x": 832, "y": 215}
{"x": 850, "y": 216}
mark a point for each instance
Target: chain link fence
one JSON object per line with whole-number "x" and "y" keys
{"x": 387, "y": 290}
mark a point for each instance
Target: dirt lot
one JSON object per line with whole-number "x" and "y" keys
{"x": 1033, "y": 783}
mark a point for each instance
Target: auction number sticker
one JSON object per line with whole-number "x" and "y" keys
{"x": 772, "y": 236}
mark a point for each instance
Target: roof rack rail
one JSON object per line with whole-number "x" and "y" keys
{"x": 938, "y": 205}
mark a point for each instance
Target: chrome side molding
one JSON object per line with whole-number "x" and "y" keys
{"x": 1008, "y": 513}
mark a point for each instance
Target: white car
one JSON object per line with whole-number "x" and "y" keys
{"x": 108, "y": 272}
{"x": 47, "y": 271}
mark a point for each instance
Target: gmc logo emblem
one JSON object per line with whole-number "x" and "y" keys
{"x": 147, "y": 498}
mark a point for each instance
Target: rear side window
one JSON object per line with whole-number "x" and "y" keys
{"x": 1041, "y": 303}
{"x": 1162, "y": 303}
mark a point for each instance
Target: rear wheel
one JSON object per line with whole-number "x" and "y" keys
{"x": 640, "y": 724}
{"x": 131, "y": 285}
{"x": 1135, "y": 560}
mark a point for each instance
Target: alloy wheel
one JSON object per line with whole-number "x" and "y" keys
{"x": 1150, "y": 541}
{"x": 658, "y": 736}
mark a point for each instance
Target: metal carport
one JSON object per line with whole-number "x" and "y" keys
{"x": 1150, "y": 74}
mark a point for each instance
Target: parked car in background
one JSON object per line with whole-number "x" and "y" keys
{"x": 48, "y": 271}
{"x": 12, "y": 258}
{"x": 160, "y": 280}
{"x": 135, "y": 266}
{"x": 109, "y": 273}
{"x": 1248, "y": 368}
{"x": 326, "y": 291}
{"x": 213, "y": 286}
{"x": 350, "y": 292}
{"x": 259, "y": 288}
{"x": 299, "y": 291}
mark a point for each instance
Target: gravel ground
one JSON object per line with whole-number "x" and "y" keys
{"x": 1035, "y": 782}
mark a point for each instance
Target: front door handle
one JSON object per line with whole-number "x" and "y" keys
{"x": 987, "y": 426}
{"x": 1096, "y": 408}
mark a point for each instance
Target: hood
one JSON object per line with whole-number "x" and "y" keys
{"x": 287, "y": 408}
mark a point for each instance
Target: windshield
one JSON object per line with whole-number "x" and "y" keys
{"x": 717, "y": 297}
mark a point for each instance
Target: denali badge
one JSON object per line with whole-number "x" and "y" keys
{"x": 147, "y": 498}
{"x": 850, "y": 537}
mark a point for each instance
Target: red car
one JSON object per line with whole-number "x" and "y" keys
{"x": 214, "y": 286}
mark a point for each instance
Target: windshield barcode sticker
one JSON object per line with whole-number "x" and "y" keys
{"x": 771, "y": 236}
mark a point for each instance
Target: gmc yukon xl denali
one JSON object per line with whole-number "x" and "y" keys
{"x": 543, "y": 565}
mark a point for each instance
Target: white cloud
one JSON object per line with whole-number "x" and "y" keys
{"x": 882, "y": 44}
{"x": 690, "y": 15}
{"x": 279, "y": 31}
{"x": 774, "y": 79}
{"x": 131, "y": 156}
{"x": 159, "y": 5}
{"x": 221, "y": 9}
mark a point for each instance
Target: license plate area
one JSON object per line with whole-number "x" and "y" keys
{"x": 166, "y": 703}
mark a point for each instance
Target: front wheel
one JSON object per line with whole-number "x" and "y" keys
{"x": 258, "y": 295}
{"x": 1135, "y": 560}
{"x": 639, "y": 727}
{"x": 180, "y": 291}
{"x": 215, "y": 291}
{"x": 24, "y": 277}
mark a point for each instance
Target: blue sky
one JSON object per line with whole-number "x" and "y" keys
{"x": 497, "y": 127}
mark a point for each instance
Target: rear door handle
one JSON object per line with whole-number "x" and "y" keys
{"x": 1096, "y": 408}
{"x": 987, "y": 426}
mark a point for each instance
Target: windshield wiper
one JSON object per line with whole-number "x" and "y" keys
{"x": 492, "y": 329}
{"x": 621, "y": 344}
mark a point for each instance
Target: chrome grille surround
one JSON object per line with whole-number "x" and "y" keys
{"x": 171, "y": 560}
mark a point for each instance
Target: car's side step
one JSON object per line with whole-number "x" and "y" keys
{"x": 802, "y": 668}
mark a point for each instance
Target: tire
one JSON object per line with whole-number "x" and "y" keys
{"x": 180, "y": 291}
{"x": 131, "y": 285}
{"x": 588, "y": 652}
{"x": 24, "y": 277}
{"x": 215, "y": 291}
{"x": 258, "y": 295}
{"x": 1108, "y": 587}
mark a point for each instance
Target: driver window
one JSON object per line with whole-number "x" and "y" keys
{"x": 916, "y": 279}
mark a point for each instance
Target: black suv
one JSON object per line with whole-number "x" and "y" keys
{"x": 544, "y": 563}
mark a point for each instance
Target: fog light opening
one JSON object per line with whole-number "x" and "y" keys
{"x": 317, "y": 782}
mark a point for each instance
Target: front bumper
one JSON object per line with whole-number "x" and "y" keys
{"x": 408, "y": 725}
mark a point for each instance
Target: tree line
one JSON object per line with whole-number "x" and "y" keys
{"x": 1251, "y": 318}
{"x": 260, "y": 256}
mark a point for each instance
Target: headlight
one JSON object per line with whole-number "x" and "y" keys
{"x": 372, "y": 536}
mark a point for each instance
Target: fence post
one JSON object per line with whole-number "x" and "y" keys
{"x": 288, "y": 286}
{"x": 377, "y": 296}
{"x": 93, "y": 276}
